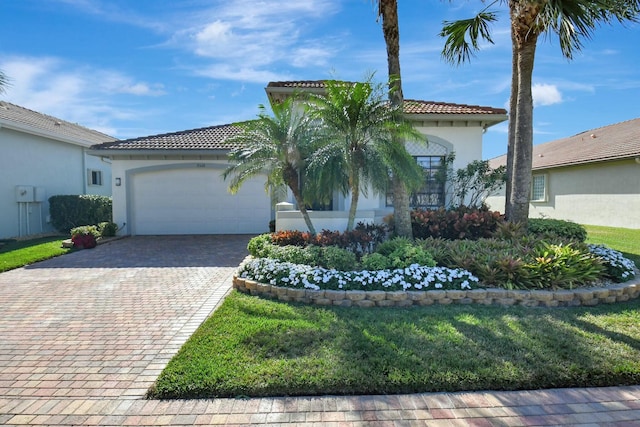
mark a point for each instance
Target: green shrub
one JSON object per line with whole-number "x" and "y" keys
{"x": 557, "y": 227}
{"x": 85, "y": 230}
{"x": 333, "y": 257}
{"x": 107, "y": 229}
{"x": 258, "y": 246}
{"x": 84, "y": 237}
{"x": 70, "y": 211}
{"x": 398, "y": 252}
{"x": 387, "y": 247}
{"x": 375, "y": 261}
{"x": 293, "y": 254}
{"x": 408, "y": 255}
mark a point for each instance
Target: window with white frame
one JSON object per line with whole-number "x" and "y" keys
{"x": 94, "y": 177}
{"x": 539, "y": 188}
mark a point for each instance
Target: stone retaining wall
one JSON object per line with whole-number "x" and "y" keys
{"x": 490, "y": 296}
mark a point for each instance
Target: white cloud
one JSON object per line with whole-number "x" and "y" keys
{"x": 545, "y": 94}
{"x": 74, "y": 93}
{"x": 240, "y": 73}
{"x": 245, "y": 39}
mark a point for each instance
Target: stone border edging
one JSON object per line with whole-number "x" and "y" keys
{"x": 489, "y": 296}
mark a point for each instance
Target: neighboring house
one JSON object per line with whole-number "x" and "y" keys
{"x": 172, "y": 184}
{"x": 43, "y": 156}
{"x": 590, "y": 178}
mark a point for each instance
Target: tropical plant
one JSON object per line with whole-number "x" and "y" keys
{"x": 355, "y": 148}
{"x": 276, "y": 146}
{"x": 572, "y": 21}
{"x": 388, "y": 11}
{"x": 4, "y": 81}
{"x": 470, "y": 186}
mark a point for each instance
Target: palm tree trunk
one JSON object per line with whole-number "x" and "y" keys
{"x": 388, "y": 10}
{"x": 355, "y": 194}
{"x": 293, "y": 182}
{"x": 521, "y": 140}
{"x": 513, "y": 102}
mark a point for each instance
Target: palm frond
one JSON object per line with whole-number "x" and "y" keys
{"x": 576, "y": 20}
{"x": 463, "y": 37}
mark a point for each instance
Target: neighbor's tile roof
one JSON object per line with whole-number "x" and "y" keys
{"x": 617, "y": 141}
{"x": 23, "y": 117}
{"x": 209, "y": 138}
{"x": 411, "y": 106}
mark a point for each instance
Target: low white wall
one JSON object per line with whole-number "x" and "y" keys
{"x": 327, "y": 220}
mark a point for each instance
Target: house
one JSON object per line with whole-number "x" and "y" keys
{"x": 589, "y": 178}
{"x": 42, "y": 156}
{"x": 172, "y": 184}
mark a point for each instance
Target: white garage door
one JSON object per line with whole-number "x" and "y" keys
{"x": 196, "y": 201}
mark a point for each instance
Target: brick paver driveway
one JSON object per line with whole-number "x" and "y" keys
{"x": 104, "y": 322}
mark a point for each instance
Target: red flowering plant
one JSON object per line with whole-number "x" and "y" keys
{"x": 85, "y": 237}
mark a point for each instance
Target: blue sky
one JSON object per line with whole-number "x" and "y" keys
{"x": 134, "y": 68}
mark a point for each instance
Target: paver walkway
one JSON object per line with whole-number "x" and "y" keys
{"x": 83, "y": 336}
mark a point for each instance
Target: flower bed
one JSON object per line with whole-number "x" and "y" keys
{"x": 414, "y": 277}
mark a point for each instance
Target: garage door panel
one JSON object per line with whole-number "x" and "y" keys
{"x": 196, "y": 201}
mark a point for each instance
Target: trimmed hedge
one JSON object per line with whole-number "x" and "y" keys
{"x": 557, "y": 227}
{"x": 70, "y": 211}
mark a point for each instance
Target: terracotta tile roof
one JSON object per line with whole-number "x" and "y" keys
{"x": 617, "y": 141}
{"x": 212, "y": 138}
{"x": 24, "y": 118}
{"x": 300, "y": 84}
{"x": 209, "y": 138}
{"x": 411, "y": 106}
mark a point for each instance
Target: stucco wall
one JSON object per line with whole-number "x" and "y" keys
{"x": 605, "y": 193}
{"x": 57, "y": 167}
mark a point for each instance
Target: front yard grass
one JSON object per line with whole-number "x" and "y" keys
{"x": 624, "y": 240}
{"x": 15, "y": 254}
{"x": 255, "y": 347}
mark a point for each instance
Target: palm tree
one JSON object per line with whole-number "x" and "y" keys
{"x": 572, "y": 21}
{"x": 356, "y": 148}
{"x": 388, "y": 11}
{"x": 4, "y": 81}
{"x": 276, "y": 146}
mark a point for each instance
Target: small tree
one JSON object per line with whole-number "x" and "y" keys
{"x": 470, "y": 186}
{"x": 356, "y": 149}
{"x": 276, "y": 146}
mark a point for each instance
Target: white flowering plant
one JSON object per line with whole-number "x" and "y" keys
{"x": 412, "y": 278}
{"x": 618, "y": 267}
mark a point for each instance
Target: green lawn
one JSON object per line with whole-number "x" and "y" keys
{"x": 14, "y": 254}
{"x": 624, "y": 240}
{"x": 254, "y": 347}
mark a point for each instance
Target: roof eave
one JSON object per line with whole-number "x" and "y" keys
{"x": 587, "y": 161}
{"x": 149, "y": 152}
{"x": 486, "y": 120}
